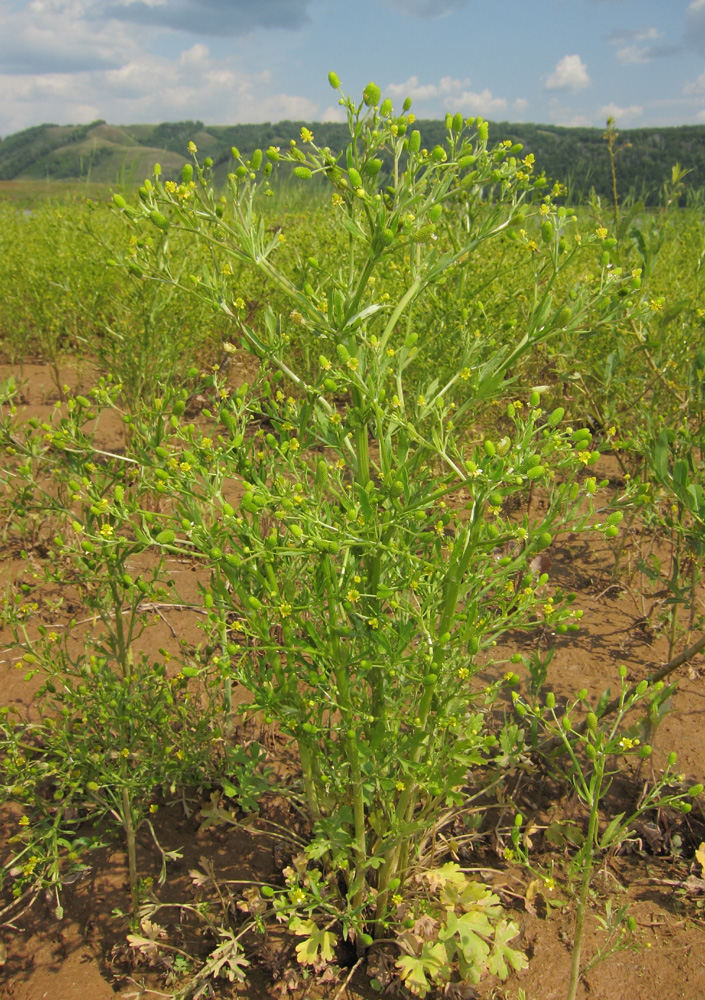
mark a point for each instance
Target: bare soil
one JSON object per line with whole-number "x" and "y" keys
{"x": 86, "y": 954}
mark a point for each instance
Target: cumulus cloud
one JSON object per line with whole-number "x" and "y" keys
{"x": 449, "y": 94}
{"x": 695, "y": 87}
{"x": 570, "y": 74}
{"x": 206, "y": 17}
{"x": 148, "y": 88}
{"x": 333, "y": 114}
{"x": 623, "y": 116}
{"x": 632, "y": 53}
{"x": 50, "y": 38}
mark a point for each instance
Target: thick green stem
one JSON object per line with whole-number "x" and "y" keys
{"x": 131, "y": 851}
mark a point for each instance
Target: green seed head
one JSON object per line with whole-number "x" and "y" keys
{"x": 371, "y": 94}
{"x": 334, "y": 80}
{"x": 303, "y": 173}
{"x": 159, "y": 220}
{"x": 457, "y": 122}
{"x": 386, "y": 108}
{"x": 415, "y": 141}
{"x": 256, "y": 160}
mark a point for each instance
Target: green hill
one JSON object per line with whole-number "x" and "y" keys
{"x": 123, "y": 155}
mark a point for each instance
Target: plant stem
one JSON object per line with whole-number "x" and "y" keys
{"x": 131, "y": 850}
{"x": 587, "y": 860}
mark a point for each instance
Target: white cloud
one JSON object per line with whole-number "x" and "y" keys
{"x": 334, "y": 113}
{"x": 621, "y": 35}
{"x": 623, "y": 116}
{"x": 570, "y": 74}
{"x": 520, "y": 105}
{"x": 694, "y": 87}
{"x": 424, "y": 92}
{"x": 449, "y": 94}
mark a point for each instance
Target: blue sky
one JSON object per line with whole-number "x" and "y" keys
{"x": 563, "y": 62}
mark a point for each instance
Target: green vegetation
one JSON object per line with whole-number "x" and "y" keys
{"x": 434, "y": 356}
{"x": 119, "y": 155}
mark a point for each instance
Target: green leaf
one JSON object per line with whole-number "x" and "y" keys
{"x": 502, "y": 955}
{"x": 432, "y": 962}
{"x": 318, "y": 945}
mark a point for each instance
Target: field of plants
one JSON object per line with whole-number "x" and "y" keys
{"x": 353, "y": 533}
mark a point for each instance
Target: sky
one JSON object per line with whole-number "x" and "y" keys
{"x": 560, "y": 62}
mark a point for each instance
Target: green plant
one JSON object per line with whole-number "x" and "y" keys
{"x": 363, "y": 570}
{"x": 117, "y": 727}
{"x": 593, "y": 751}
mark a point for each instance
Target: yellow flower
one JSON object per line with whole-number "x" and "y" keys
{"x": 24, "y": 821}
{"x": 106, "y": 530}
{"x": 306, "y": 135}
{"x": 192, "y": 147}
{"x": 601, "y": 232}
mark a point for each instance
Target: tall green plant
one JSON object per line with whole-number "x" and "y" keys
{"x": 362, "y": 570}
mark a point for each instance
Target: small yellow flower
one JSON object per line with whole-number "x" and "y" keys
{"x": 400, "y": 786}
{"x": 353, "y": 595}
{"x": 306, "y": 135}
{"x": 192, "y": 147}
{"x": 601, "y": 232}
{"x": 397, "y": 899}
{"x": 24, "y": 821}
{"x": 239, "y": 303}
{"x": 106, "y": 530}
